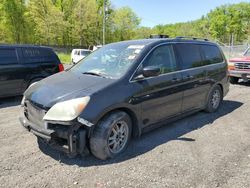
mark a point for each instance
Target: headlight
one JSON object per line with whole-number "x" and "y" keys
{"x": 231, "y": 66}
{"x": 67, "y": 110}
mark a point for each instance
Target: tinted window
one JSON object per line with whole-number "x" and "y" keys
{"x": 162, "y": 57}
{"x": 38, "y": 55}
{"x": 212, "y": 54}
{"x": 8, "y": 56}
{"x": 190, "y": 55}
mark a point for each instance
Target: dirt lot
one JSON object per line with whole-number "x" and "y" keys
{"x": 204, "y": 150}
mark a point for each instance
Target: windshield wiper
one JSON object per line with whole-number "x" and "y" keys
{"x": 96, "y": 74}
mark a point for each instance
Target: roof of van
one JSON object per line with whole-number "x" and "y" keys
{"x": 131, "y": 42}
{"x": 166, "y": 40}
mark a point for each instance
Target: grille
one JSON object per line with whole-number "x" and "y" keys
{"x": 242, "y": 66}
{"x": 34, "y": 113}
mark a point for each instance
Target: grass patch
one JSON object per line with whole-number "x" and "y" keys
{"x": 64, "y": 58}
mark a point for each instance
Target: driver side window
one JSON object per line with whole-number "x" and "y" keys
{"x": 162, "y": 57}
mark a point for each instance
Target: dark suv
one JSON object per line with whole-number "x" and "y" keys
{"x": 123, "y": 90}
{"x": 20, "y": 66}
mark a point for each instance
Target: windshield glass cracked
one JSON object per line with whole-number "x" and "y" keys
{"x": 111, "y": 61}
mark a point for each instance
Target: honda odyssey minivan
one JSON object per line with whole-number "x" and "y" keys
{"x": 123, "y": 90}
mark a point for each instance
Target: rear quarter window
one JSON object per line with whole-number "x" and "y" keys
{"x": 38, "y": 55}
{"x": 8, "y": 56}
{"x": 212, "y": 54}
{"x": 190, "y": 55}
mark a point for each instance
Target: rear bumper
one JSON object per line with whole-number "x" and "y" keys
{"x": 68, "y": 139}
{"x": 240, "y": 74}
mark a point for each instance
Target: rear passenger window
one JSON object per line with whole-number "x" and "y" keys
{"x": 38, "y": 55}
{"x": 8, "y": 56}
{"x": 212, "y": 54}
{"x": 162, "y": 57}
{"x": 190, "y": 55}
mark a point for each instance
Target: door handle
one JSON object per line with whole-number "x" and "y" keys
{"x": 189, "y": 77}
{"x": 176, "y": 80}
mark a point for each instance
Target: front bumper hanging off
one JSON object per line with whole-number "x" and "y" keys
{"x": 70, "y": 139}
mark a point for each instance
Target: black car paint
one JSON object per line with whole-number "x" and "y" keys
{"x": 148, "y": 101}
{"x": 16, "y": 77}
{"x": 146, "y": 97}
{"x": 65, "y": 86}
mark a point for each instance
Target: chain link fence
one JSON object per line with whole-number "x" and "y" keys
{"x": 234, "y": 51}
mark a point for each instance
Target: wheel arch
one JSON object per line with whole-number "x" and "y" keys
{"x": 211, "y": 89}
{"x": 222, "y": 89}
{"x": 136, "y": 131}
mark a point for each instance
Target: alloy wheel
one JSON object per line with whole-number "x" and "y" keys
{"x": 216, "y": 97}
{"x": 118, "y": 137}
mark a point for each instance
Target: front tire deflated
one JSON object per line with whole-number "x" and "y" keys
{"x": 111, "y": 135}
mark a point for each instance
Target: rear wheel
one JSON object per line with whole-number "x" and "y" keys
{"x": 234, "y": 80}
{"x": 111, "y": 136}
{"x": 214, "y": 99}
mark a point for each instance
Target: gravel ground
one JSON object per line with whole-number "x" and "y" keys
{"x": 203, "y": 150}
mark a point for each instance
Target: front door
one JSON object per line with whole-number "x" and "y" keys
{"x": 160, "y": 96}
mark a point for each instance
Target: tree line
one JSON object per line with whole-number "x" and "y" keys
{"x": 80, "y": 22}
{"x": 229, "y": 24}
{"x": 64, "y": 22}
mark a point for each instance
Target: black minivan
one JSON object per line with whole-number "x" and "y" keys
{"x": 123, "y": 90}
{"x": 22, "y": 65}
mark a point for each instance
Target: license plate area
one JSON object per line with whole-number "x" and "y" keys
{"x": 35, "y": 114}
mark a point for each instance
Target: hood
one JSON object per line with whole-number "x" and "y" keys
{"x": 65, "y": 86}
{"x": 240, "y": 59}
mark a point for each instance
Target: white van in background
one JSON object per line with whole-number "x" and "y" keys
{"x": 78, "y": 54}
{"x": 96, "y": 47}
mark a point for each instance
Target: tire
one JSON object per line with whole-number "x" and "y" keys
{"x": 234, "y": 80}
{"x": 104, "y": 143}
{"x": 214, "y": 99}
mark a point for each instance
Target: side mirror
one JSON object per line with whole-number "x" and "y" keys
{"x": 151, "y": 71}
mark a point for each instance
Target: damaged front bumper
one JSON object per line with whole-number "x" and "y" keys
{"x": 69, "y": 138}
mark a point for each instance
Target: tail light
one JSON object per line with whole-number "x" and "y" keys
{"x": 61, "y": 68}
{"x": 231, "y": 66}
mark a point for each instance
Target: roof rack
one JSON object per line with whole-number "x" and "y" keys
{"x": 161, "y": 36}
{"x": 193, "y": 38}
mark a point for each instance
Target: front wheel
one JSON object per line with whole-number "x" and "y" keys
{"x": 214, "y": 99}
{"x": 111, "y": 135}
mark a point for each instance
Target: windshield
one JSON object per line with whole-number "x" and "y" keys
{"x": 111, "y": 61}
{"x": 85, "y": 53}
{"x": 247, "y": 52}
